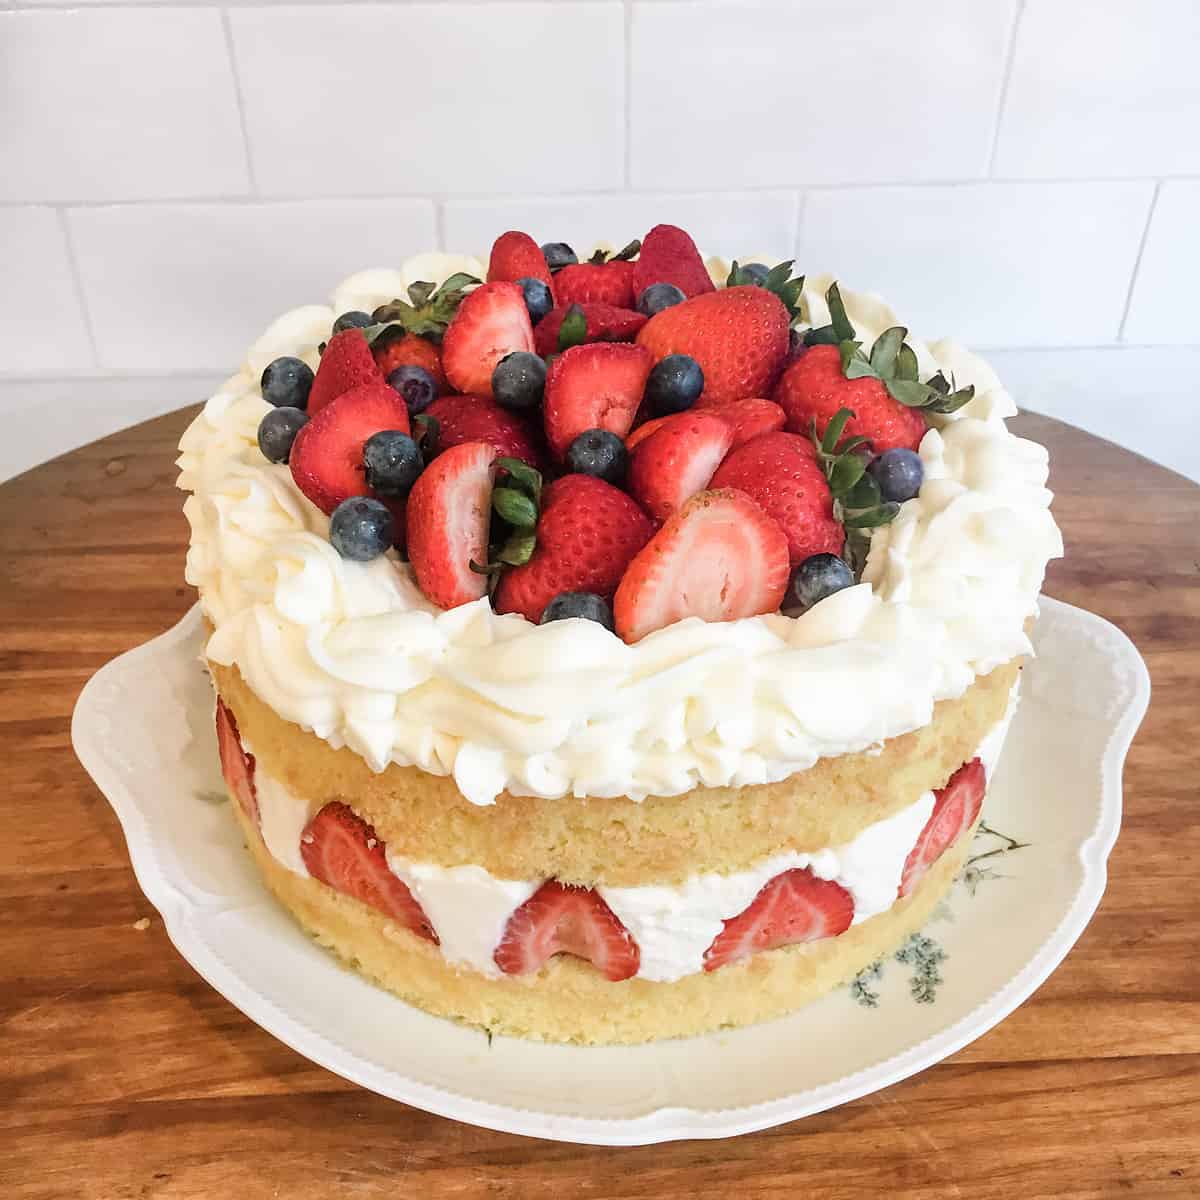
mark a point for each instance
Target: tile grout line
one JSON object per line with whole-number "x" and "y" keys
{"x": 627, "y": 18}
{"x": 1137, "y": 262}
{"x": 236, "y": 74}
{"x": 85, "y": 310}
{"x": 798, "y": 221}
{"x": 1005, "y": 80}
{"x": 439, "y": 222}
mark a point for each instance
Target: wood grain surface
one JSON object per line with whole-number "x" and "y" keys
{"x": 124, "y": 1075}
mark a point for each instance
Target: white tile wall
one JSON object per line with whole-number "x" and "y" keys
{"x": 1164, "y": 306}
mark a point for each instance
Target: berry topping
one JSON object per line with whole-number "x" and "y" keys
{"x": 286, "y": 383}
{"x": 899, "y": 474}
{"x": 674, "y": 384}
{"x": 597, "y": 386}
{"x": 477, "y": 419}
{"x": 587, "y": 533}
{"x": 341, "y": 850}
{"x": 793, "y": 907}
{"x": 490, "y": 322}
{"x": 600, "y": 453}
{"x": 277, "y": 432}
{"x": 448, "y": 517}
{"x": 956, "y": 808}
{"x": 657, "y": 297}
{"x": 747, "y": 419}
{"x": 516, "y": 256}
{"x": 600, "y": 280}
{"x": 676, "y": 461}
{"x": 601, "y": 323}
{"x": 739, "y": 336}
{"x": 558, "y": 255}
{"x": 327, "y": 456}
{"x": 638, "y": 435}
{"x": 780, "y": 472}
{"x": 539, "y": 299}
{"x": 670, "y": 256}
{"x": 352, "y": 320}
{"x": 719, "y": 558}
{"x": 346, "y": 363}
{"x": 408, "y": 350}
{"x": 416, "y": 386}
{"x": 360, "y": 528}
{"x": 561, "y": 919}
{"x": 585, "y": 605}
{"x": 393, "y": 461}
{"x": 519, "y": 380}
{"x": 818, "y": 576}
{"x": 237, "y": 766}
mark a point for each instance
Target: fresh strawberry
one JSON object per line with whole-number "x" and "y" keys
{"x": 327, "y": 455}
{"x": 670, "y": 256}
{"x": 738, "y": 335}
{"x": 236, "y": 765}
{"x": 641, "y": 432}
{"x": 517, "y": 256}
{"x": 341, "y": 850}
{"x": 793, "y": 907}
{"x": 596, "y": 283}
{"x": 955, "y": 809}
{"x": 747, "y": 418}
{"x": 478, "y": 419}
{"x": 346, "y": 363}
{"x": 447, "y": 520}
{"x": 490, "y": 322}
{"x": 780, "y": 472}
{"x": 410, "y": 350}
{"x": 813, "y": 388}
{"x": 719, "y": 558}
{"x": 604, "y": 324}
{"x": 668, "y": 468}
{"x": 598, "y": 386}
{"x": 586, "y": 535}
{"x": 561, "y": 919}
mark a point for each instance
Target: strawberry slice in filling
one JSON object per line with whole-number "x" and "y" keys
{"x": 237, "y": 766}
{"x": 956, "y": 808}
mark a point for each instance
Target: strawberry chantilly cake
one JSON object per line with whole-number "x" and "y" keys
{"x": 614, "y": 648}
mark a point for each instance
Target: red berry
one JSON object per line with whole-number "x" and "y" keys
{"x": 491, "y": 321}
{"x": 956, "y": 808}
{"x": 346, "y": 363}
{"x": 669, "y": 255}
{"x": 604, "y": 324}
{"x": 236, "y": 765}
{"x": 747, "y": 418}
{"x": 668, "y": 468}
{"x": 410, "y": 351}
{"x": 596, "y": 283}
{"x": 517, "y": 256}
{"x": 598, "y": 386}
{"x": 478, "y": 419}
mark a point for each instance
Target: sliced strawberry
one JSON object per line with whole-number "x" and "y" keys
{"x": 719, "y": 558}
{"x": 561, "y": 919}
{"x": 341, "y": 850}
{"x": 793, "y": 907}
{"x": 490, "y": 322}
{"x": 236, "y": 765}
{"x": 447, "y": 519}
{"x": 327, "y": 455}
{"x": 346, "y": 363}
{"x": 605, "y": 323}
{"x": 641, "y": 432}
{"x": 517, "y": 256}
{"x": 410, "y": 351}
{"x": 747, "y": 418}
{"x": 956, "y": 808}
{"x": 593, "y": 387}
{"x": 670, "y": 256}
{"x": 587, "y": 533}
{"x": 596, "y": 283}
{"x": 677, "y": 460}
{"x": 780, "y": 472}
{"x": 478, "y": 419}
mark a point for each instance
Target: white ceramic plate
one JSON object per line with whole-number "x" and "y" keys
{"x": 143, "y": 729}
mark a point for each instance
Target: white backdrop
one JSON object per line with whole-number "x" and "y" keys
{"x": 1024, "y": 175}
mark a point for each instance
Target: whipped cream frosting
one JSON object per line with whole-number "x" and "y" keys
{"x": 355, "y": 653}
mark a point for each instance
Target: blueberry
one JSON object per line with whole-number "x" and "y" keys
{"x": 538, "y": 299}
{"x": 352, "y": 320}
{"x": 286, "y": 382}
{"x": 818, "y": 576}
{"x": 600, "y": 453}
{"x": 657, "y": 297}
{"x": 674, "y": 385}
{"x": 899, "y": 474}
{"x": 586, "y": 605}
{"x": 416, "y": 385}
{"x": 361, "y": 528}
{"x": 393, "y": 461}
{"x": 755, "y": 273}
{"x": 558, "y": 255}
{"x": 277, "y": 431}
{"x": 519, "y": 379}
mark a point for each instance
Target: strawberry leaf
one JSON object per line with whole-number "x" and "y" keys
{"x": 906, "y": 363}
{"x": 523, "y": 476}
{"x": 518, "y": 549}
{"x": 833, "y": 431}
{"x": 954, "y": 401}
{"x": 854, "y": 365}
{"x": 824, "y": 336}
{"x": 628, "y": 252}
{"x": 515, "y": 507}
{"x": 886, "y": 349}
{"x": 864, "y": 494}
{"x": 874, "y": 517}
{"x": 837, "y": 314}
{"x": 420, "y": 292}
{"x": 573, "y": 330}
{"x": 845, "y": 473}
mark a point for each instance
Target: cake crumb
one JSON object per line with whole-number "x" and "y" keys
{"x": 114, "y": 467}
{"x": 142, "y": 925}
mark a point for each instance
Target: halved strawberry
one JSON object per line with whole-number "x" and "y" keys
{"x": 490, "y": 322}
{"x": 597, "y": 283}
{"x": 447, "y": 520}
{"x": 780, "y": 472}
{"x": 677, "y": 460}
{"x": 955, "y": 809}
{"x": 670, "y": 256}
{"x": 409, "y": 350}
{"x": 747, "y": 418}
{"x": 793, "y": 907}
{"x": 561, "y": 919}
{"x": 478, "y": 419}
{"x": 237, "y": 766}
{"x": 346, "y": 363}
{"x": 587, "y": 533}
{"x": 598, "y": 386}
{"x": 516, "y": 256}
{"x": 639, "y": 434}
{"x": 719, "y": 558}
{"x": 327, "y": 455}
{"x": 605, "y": 323}
{"x": 341, "y": 850}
